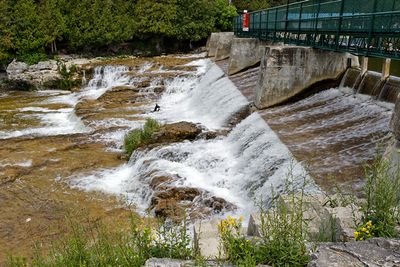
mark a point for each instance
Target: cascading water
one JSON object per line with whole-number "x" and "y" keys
{"x": 241, "y": 167}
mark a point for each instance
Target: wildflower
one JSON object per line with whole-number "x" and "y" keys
{"x": 356, "y": 234}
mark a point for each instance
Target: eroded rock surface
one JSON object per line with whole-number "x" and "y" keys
{"x": 176, "y": 132}
{"x": 373, "y": 252}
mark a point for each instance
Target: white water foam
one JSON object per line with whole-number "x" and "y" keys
{"x": 242, "y": 167}
{"x": 210, "y": 101}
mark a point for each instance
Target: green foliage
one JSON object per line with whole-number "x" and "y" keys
{"x": 224, "y": 14}
{"x": 33, "y": 58}
{"x": 138, "y": 137}
{"x": 382, "y": 206}
{"x": 196, "y": 19}
{"x": 97, "y": 245}
{"x": 251, "y": 5}
{"x": 283, "y": 233}
{"x": 156, "y": 17}
{"x": 29, "y": 27}
{"x": 67, "y": 81}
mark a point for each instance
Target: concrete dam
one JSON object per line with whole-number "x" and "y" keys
{"x": 334, "y": 114}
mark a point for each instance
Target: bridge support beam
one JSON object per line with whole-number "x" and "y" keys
{"x": 287, "y": 71}
{"x": 245, "y": 53}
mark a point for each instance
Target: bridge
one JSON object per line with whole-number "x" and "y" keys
{"x": 368, "y": 28}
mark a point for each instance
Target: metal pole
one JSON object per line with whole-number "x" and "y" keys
{"x": 371, "y": 28}
{"x": 299, "y": 29}
{"x": 316, "y": 22}
{"x": 339, "y": 26}
{"x": 286, "y": 20}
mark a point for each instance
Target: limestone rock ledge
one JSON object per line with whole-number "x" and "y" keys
{"x": 42, "y": 74}
{"x": 287, "y": 71}
{"x": 373, "y": 252}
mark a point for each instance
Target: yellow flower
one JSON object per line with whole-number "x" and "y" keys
{"x": 369, "y": 223}
{"x": 363, "y": 229}
{"x": 356, "y": 234}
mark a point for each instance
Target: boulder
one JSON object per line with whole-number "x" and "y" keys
{"x": 223, "y": 50}
{"x": 245, "y": 53}
{"x": 373, "y": 252}
{"x": 345, "y": 221}
{"x": 15, "y": 68}
{"x": 287, "y": 71}
{"x": 176, "y": 132}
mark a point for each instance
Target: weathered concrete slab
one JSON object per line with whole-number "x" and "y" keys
{"x": 206, "y": 238}
{"x": 287, "y": 71}
{"x": 373, "y": 252}
{"x": 213, "y": 44}
{"x": 245, "y": 53}
{"x": 224, "y": 45}
{"x": 321, "y": 220}
{"x": 395, "y": 122}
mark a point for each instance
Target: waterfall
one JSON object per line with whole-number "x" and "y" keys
{"x": 105, "y": 78}
{"x": 210, "y": 100}
{"x": 241, "y": 168}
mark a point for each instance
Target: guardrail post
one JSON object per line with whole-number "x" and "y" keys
{"x": 371, "y": 28}
{"x": 316, "y": 22}
{"x": 276, "y": 19}
{"x": 259, "y": 26}
{"x": 299, "y": 28}
{"x": 339, "y": 26}
{"x": 286, "y": 20}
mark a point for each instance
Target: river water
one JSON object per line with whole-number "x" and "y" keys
{"x": 61, "y": 151}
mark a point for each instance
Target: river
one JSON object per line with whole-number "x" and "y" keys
{"x": 60, "y": 152}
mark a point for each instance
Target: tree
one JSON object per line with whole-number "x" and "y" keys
{"x": 27, "y": 33}
{"x": 6, "y": 43}
{"x": 224, "y": 14}
{"x": 156, "y": 17}
{"x": 195, "y": 20}
{"x": 52, "y": 22}
{"x": 251, "y": 5}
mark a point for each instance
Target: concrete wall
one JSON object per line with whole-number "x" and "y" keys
{"x": 219, "y": 45}
{"x": 245, "y": 52}
{"x": 287, "y": 71}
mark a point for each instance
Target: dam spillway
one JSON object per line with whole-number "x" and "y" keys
{"x": 328, "y": 136}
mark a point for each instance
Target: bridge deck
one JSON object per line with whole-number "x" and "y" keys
{"x": 362, "y": 27}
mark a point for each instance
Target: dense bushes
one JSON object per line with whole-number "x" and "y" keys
{"x": 29, "y": 27}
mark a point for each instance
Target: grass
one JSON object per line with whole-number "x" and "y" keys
{"x": 381, "y": 210}
{"x": 138, "y": 137}
{"x": 97, "y": 245}
{"x": 283, "y": 233}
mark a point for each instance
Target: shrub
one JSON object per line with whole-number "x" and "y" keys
{"x": 138, "y": 137}
{"x": 67, "y": 82}
{"x": 381, "y": 208}
{"x": 283, "y": 233}
{"x": 33, "y": 58}
{"x": 97, "y": 245}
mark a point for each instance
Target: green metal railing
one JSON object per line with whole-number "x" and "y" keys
{"x": 361, "y": 27}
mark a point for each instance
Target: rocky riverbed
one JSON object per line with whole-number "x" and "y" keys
{"x": 49, "y": 136}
